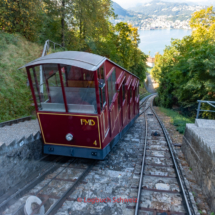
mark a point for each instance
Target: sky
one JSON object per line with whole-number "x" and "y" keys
{"x": 132, "y": 3}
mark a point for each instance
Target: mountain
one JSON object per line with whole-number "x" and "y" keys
{"x": 118, "y": 10}
{"x": 160, "y": 8}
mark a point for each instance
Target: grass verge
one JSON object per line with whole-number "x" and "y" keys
{"x": 178, "y": 120}
{"x": 15, "y": 95}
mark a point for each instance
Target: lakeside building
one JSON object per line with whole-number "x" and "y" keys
{"x": 150, "y": 61}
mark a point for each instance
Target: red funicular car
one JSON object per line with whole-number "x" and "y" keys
{"x": 84, "y": 102}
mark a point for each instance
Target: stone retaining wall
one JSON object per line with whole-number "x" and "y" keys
{"x": 198, "y": 148}
{"x": 18, "y": 161}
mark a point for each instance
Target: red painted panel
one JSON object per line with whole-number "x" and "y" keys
{"x": 108, "y": 66}
{"x": 85, "y": 129}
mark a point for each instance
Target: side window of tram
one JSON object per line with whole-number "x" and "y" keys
{"x": 123, "y": 90}
{"x": 47, "y": 87}
{"x": 102, "y": 72}
{"x": 102, "y": 94}
{"x": 136, "y": 92}
{"x": 111, "y": 86}
{"x": 119, "y": 102}
{"x": 131, "y": 91}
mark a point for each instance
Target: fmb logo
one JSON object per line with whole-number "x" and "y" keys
{"x": 88, "y": 122}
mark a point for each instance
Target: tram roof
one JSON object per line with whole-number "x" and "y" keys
{"x": 83, "y": 60}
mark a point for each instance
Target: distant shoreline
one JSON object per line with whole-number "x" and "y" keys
{"x": 164, "y": 29}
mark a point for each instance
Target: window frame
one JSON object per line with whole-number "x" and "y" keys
{"x": 63, "y": 85}
{"x": 102, "y": 95}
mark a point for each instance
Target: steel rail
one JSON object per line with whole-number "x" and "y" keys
{"x": 178, "y": 172}
{"x": 40, "y": 179}
{"x": 142, "y": 168}
{"x": 19, "y": 192}
{"x": 144, "y": 155}
{"x": 53, "y": 209}
{"x": 145, "y": 99}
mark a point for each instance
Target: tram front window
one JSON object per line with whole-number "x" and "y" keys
{"x": 80, "y": 90}
{"x": 79, "y": 87}
{"x": 47, "y": 88}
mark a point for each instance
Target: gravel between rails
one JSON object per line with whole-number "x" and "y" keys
{"x": 17, "y": 131}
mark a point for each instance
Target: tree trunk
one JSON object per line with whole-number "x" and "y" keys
{"x": 63, "y": 23}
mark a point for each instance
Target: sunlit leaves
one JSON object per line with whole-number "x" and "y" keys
{"x": 20, "y": 16}
{"x": 203, "y": 24}
{"x": 186, "y": 70}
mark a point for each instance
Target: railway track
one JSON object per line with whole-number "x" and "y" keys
{"x": 64, "y": 188}
{"x": 162, "y": 188}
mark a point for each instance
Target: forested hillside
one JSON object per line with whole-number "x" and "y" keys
{"x": 75, "y": 24}
{"x": 186, "y": 70}
{"x": 162, "y": 7}
{"x": 118, "y": 10}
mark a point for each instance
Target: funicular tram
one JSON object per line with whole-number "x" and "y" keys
{"x": 84, "y": 102}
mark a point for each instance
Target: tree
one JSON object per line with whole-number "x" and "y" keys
{"x": 186, "y": 70}
{"x": 23, "y": 16}
{"x": 203, "y": 24}
{"x": 124, "y": 43}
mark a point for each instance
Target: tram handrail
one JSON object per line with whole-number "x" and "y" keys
{"x": 47, "y": 45}
{"x": 199, "y": 107}
{"x": 45, "y": 51}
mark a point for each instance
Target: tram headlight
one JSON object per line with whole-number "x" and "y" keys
{"x": 69, "y": 137}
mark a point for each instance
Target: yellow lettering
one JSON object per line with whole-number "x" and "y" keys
{"x": 92, "y": 122}
{"x": 86, "y": 122}
{"x": 95, "y": 143}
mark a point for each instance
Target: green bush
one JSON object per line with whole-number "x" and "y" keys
{"x": 177, "y": 119}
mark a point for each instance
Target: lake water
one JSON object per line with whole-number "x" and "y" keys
{"x": 155, "y": 40}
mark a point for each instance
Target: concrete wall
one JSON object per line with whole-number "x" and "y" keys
{"x": 198, "y": 148}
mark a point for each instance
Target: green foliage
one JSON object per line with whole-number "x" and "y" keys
{"x": 177, "y": 119}
{"x": 203, "y": 23}
{"x": 23, "y": 16}
{"x": 186, "y": 73}
{"x": 79, "y": 25}
{"x": 15, "y": 96}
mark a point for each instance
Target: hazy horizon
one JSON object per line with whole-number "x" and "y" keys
{"x": 126, "y": 4}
